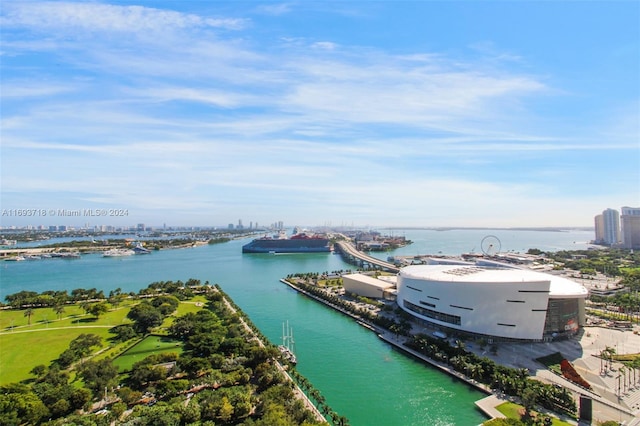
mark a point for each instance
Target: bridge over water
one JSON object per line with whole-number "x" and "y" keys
{"x": 351, "y": 255}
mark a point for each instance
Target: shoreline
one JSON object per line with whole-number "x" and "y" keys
{"x": 486, "y": 405}
{"x": 297, "y": 391}
{"x": 8, "y": 253}
{"x": 602, "y": 407}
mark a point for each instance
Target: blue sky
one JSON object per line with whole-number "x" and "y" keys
{"x": 372, "y": 113}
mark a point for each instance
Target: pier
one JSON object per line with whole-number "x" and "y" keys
{"x": 351, "y": 255}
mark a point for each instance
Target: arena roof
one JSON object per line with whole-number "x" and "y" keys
{"x": 559, "y": 287}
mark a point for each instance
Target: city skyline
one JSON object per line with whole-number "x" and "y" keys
{"x": 468, "y": 114}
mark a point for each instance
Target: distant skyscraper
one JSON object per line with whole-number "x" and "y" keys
{"x": 630, "y": 222}
{"x": 599, "y": 224}
{"x": 611, "y": 226}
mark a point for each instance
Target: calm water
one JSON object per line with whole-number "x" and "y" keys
{"x": 361, "y": 377}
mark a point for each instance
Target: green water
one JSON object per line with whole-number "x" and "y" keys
{"x": 360, "y": 376}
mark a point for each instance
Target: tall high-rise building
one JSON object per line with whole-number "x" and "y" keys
{"x": 611, "y": 226}
{"x": 599, "y": 225}
{"x": 630, "y": 222}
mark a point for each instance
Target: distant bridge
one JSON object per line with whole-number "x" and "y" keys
{"x": 349, "y": 252}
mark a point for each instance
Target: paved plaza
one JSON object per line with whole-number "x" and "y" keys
{"x": 615, "y": 392}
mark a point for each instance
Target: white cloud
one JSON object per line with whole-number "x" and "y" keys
{"x": 30, "y": 88}
{"x": 202, "y": 116}
{"x": 96, "y": 17}
{"x": 274, "y": 9}
{"x": 324, "y": 45}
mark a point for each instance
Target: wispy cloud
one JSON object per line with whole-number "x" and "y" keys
{"x": 96, "y": 17}
{"x": 206, "y": 112}
{"x": 274, "y": 9}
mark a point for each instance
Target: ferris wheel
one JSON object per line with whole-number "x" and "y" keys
{"x": 491, "y": 245}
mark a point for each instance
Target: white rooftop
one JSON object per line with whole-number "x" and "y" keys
{"x": 559, "y": 287}
{"x": 383, "y": 284}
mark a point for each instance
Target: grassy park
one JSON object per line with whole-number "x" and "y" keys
{"x": 152, "y": 344}
{"x": 513, "y": 411}
{"x": 24, "y": 346}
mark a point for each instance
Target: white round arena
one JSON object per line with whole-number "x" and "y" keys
{"x": 504, "y": 303}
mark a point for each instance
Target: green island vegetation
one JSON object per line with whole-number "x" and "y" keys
{"x": 622, "y": 266}
{"x": 84, "y": 246}
{"x": 176, "y": 353}
{"x": 204, "y": 234}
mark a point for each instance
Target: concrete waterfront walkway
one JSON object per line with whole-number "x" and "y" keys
{"x": 488, "y": 406}
{"x": 582, "y": 350}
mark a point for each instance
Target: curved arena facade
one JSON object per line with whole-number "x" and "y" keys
{"x": 503, "y": 303}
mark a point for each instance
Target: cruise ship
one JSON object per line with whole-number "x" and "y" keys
{"x": 299, "y": 242}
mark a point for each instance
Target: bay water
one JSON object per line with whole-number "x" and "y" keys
{"x": 361, "y": 377}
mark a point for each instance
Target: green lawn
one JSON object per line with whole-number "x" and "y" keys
{"x": 43, "y": 318}
{"x": 552, "y": 362}
{"x": 626, "y": 357}
{"x": 20, "y": 352}
{"x": 512, "y": 411}
{"x": 149, "y": 345}
{"x": 24, "y": 346}
{"x": 186, "y": 306}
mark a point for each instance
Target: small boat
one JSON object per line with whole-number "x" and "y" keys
{"x": 286, "y": 348}
{"x": 65, "y": 255}
{"x": 14, "y": 259}
{"x": 118, "y": 253}
{"x": 138, "y": 248}
{"x": 70, "y": 255}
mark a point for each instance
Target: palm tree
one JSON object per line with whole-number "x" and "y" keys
{"x": 529, "y": 398}
{"x": 59, "y": 310}
{"x": 28, "y": 313}
{"x": 610, "y": 352}
{"x": 315, "y": 395}
{"x": 477, "y": 372}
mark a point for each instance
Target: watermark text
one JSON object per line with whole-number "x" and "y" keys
{"x": 65, "y": 212}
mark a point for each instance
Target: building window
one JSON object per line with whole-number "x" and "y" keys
{"x": 429, "y": 313}
{"x": 461, "y": 307}
{"x": 506, "y": 325}
{"x": 431, "y": 305}
{"x": 413, "y": 288}
{"x": 515, "y": 301}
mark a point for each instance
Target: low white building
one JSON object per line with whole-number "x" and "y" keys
{"x": 508, "y": 303}
{"x": 364, "y": 285}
